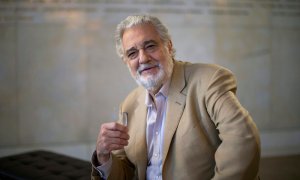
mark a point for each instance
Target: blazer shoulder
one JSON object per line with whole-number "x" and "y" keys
{"x": 203, "y": 68}
{"x": 203, "y": 71}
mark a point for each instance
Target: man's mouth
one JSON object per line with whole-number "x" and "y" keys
{"x": 146, "y": 68}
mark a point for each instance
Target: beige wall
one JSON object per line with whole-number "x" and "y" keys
{"x": 60, "y": 77}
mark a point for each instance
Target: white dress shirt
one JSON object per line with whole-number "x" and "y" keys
{"x": 156, "y": 116}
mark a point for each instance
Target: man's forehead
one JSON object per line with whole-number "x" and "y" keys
{"x": 137, "y": 36}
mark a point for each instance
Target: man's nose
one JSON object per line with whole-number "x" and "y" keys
{"x": 143, "y": 56}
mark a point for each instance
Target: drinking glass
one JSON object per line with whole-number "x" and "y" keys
{"x": 124, "y": 117}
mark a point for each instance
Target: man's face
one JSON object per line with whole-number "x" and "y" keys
{"x": 147, "y": 57}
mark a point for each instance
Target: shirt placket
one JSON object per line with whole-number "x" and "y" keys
{"x": 154, "y": 136}
{"x": 157, "y": 135}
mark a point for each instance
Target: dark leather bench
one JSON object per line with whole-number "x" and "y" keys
{"x": 43, "y": 165}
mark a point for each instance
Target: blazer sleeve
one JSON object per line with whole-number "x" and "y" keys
{"x": 238, "y": 155}
{"x": 121, "y": 168}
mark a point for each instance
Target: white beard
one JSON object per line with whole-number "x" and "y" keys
{"x": 153, "y": 82}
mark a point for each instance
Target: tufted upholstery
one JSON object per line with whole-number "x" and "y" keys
{"x": 43, "y": 165}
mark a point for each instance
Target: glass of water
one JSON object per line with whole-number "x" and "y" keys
{"x": 124, "y": 117}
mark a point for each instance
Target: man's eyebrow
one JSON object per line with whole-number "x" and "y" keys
{"x": 150, "y": 41}
{"x": 131, "y": 49}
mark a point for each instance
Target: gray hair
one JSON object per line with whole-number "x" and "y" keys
{"x": 134, "y": 20}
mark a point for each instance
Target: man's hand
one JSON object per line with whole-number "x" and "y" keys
{"x": 112, "y": 136}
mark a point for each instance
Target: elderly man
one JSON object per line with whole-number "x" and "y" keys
{"x": 184, "y": 120}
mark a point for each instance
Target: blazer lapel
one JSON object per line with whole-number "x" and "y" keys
{"x": 175, "y": 106}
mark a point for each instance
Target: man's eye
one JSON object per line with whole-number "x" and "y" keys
{"x": 132, "y": 55}
{"x": 150, "y": 47}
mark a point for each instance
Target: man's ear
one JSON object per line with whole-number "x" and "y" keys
{"x": 124, "y": 60}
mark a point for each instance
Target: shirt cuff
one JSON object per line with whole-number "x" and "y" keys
{"x": 103, "y": 169}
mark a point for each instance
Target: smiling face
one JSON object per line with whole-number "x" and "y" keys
{"x": 147, "y": 57}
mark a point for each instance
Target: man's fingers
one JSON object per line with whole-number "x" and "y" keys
{"x": 110, "y": 144}
{"x": 112, "y": 136}
{"x": 114, "y": 141}
{"x": 114, "y": 126}
{"x": 115, "y": 134}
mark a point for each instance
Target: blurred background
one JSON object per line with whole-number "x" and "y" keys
{"x": 60, "y": 77}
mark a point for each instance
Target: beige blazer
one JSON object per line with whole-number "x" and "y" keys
{"x": 208, "y": 134}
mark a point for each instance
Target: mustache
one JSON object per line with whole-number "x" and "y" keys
{"x": 146, "y": 66}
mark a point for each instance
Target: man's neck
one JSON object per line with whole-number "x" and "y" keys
{"x": 154, "y": 91}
